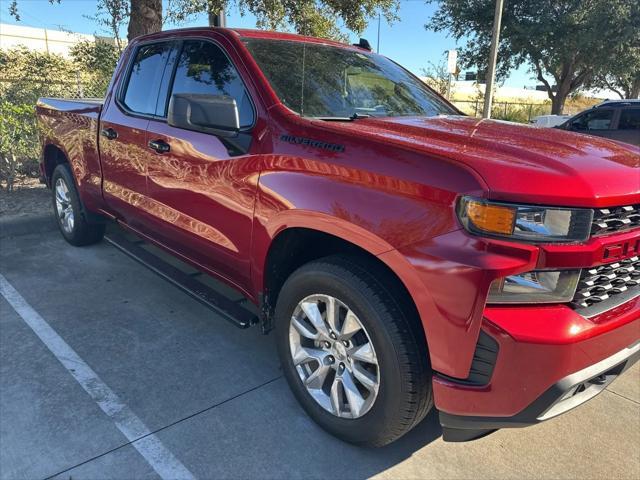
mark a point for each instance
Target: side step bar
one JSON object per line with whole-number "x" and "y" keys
{"x": 223, "y": 306}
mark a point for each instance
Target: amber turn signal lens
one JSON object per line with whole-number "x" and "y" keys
{"x": 491, "y": 218}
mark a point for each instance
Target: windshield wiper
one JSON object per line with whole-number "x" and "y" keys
{"x": 355, "y": 116}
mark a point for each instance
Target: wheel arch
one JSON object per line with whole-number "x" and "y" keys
{"x": 294, "y": 246}
{"x": 52, "y": 156}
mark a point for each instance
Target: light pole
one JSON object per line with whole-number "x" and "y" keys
{"x": 378, "y": 46}
{"x": 493, "y": 56}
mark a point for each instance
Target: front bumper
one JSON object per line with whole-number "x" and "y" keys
{"x": 569, "y": 392}
{"x": 539, "y": 373}
{"x": 537, "y": 346}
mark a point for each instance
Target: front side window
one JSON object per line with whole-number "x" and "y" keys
{"x": 599, "y": 119}
{"x": 629, "y": 119}
{"x": 318, "y": 80}
{"x": 145, "y": 78}
{"x": 204, "y": 68}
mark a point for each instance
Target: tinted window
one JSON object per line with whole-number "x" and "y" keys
{"x": 599, "y": 119}
{"x": 204, "y": 68}
{"x": 629, "y": 119}
{"x": 325, "y": 81}
{"x": 145, "y": 78}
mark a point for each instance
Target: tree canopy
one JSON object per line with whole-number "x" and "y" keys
{"x": 309, "y": 17}
{"x": 566, "y": 43}
{"x": 322, "y": 18}
{"x": 622, "y": 75}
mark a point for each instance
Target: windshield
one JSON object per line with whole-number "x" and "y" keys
{"x": 324, "y": 81}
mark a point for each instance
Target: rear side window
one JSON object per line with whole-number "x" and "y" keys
{"x": 599, "y": 119}
{"x": 204, "y": 68}
{"x": 145, "y": 78}
{"x": 629, "y": 119}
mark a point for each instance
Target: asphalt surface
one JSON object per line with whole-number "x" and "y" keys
{"x": 110, "y": 372}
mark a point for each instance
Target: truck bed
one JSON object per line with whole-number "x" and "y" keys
{"x": 70, "y": 127}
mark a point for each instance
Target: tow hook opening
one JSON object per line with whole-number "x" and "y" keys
{"x": 581, "y": 392}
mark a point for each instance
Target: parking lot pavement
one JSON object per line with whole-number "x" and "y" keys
{"x": 213, "y": 396}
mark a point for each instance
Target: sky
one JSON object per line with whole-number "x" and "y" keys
{"x": 406, "y": 41}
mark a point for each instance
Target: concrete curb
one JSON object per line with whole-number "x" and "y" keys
{"x": 15, "y": 227}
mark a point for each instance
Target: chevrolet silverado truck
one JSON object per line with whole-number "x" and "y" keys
{"x": 405, "y": 255}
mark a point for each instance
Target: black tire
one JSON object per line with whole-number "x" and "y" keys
{"x": 83, "y": 232}
{"x": 405, "y": 395}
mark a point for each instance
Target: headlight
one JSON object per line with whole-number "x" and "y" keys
{"x": 535, "y": 287}
{"x": 525, "y": 222}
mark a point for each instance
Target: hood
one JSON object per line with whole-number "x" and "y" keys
{"x": 521, "y": 162}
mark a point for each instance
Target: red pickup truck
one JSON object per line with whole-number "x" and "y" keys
{"x": 405, "y": 255}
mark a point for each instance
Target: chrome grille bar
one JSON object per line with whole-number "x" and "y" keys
{"x": 607, "y": 286}
{"x": 615, "y": 219}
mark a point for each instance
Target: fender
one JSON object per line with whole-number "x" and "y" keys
{"x": 351, "y": 233}
{"x": 410, "y": 233}
{"x": 374, "y": 211}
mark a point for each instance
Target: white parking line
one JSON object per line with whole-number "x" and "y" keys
{"x": 153, "y": 451}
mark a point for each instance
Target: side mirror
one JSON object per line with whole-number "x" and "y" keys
{"x": 214, "y": 114}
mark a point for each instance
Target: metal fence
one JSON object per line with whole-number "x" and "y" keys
{"x": 27, "y": 90}
{"x": 514, "y": 111}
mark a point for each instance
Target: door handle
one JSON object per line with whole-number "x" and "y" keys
{"x": 109, "y": 133}
{"x": 159, "y": 146}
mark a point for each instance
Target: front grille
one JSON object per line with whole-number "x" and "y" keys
{"x": 615, "y": 219}
{"x": 607, "y": 286}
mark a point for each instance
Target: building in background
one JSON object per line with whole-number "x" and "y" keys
{"x": 43, "y": 40}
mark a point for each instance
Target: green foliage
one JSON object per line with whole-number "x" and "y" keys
{"x": 437, "y": 77}
{"x": 95, "y": 62}
{"x": 565, "y": 42}
{"x": 622, "y": 74}
{"x": 308, "y": 17}
{"x": 508, "y": 111}
{"x": 520, "y": 113}
{"x": 18, "y": 142}
{"x": 28, "y": 75}
{"x": 112, "y": 15}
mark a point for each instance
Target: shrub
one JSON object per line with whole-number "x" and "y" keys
{"x": 28, "y": 75}
{"x": 19, "y": 147}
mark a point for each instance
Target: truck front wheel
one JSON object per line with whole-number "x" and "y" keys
{"x": 69, "y": 214}
{"x": 352, "y": 357}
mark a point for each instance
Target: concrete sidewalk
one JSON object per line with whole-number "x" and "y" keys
{"x": 214, "y": 396}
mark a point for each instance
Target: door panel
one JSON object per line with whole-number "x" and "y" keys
{"x": 203, "y": 200}
{"x": 203, "y": 197}
{"x": 123, "y": 149}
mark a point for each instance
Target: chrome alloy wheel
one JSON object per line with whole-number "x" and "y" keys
{"x": 63, "y": 206}
{"x": 334, "y": 356}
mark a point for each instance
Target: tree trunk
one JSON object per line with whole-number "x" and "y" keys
{"x": 146, "y": 17}
{"x": 557, "y": 103}
{"x": 635, "y": 88}
{"x": 217, "y": 18}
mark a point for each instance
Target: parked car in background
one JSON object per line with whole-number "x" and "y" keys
{"x": 549, "y": 121}
{"x": 614, "y": 119}
{"x": 405, "y": 254}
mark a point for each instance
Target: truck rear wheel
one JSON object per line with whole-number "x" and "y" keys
{"x": 350, "y": 353}
{"x": 69, "y": 213}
